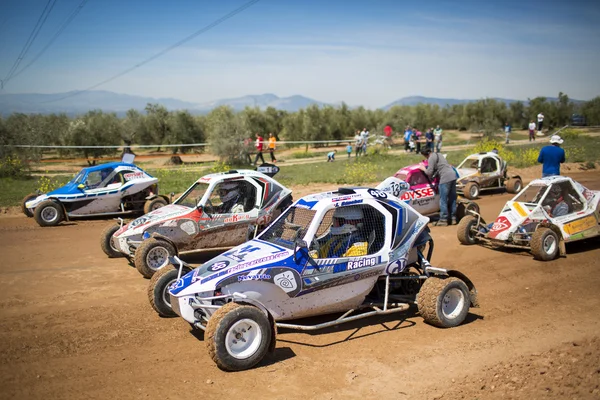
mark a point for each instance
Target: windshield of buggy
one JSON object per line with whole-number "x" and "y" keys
{"x": 78, "y": 178}
{"x": 470, "y": 162}
{"x": 291, "y": 226}
{"x": 193, "y": 195}
{"x": 532, "y": 194}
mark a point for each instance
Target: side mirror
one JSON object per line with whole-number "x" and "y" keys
{"x": 81, "y": 186}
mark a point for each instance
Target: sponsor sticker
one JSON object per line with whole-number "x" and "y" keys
{"x": 580, "y": 225}
{"x": 378, "y": 194}
{"x": 133, "y": 175}
{"x": 219, "y": 265}
{"x": 237, "y": 218}
{"x": 261, "y": 277}
{"x": 501, "y": 224}
{"x": 188, "y": 227}
{"x": 418, "y": 194}
{"x": 519, "y": 209}
{"x": 286, "y": 281}
{"x": 363, "y": 262}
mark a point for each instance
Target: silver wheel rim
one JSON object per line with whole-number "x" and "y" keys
{"x": 156, "y": 206}
{"x": 474, "y": 191}
{"x": 518, "y": 187}
{"x": 49, "y": 214}
{"x": 243, "y": 339}
{"x": 157, "y": 258}
{"x": 549, "y": 245}
{"x": 453, "y": 303}
{"x": 165, "y": 295}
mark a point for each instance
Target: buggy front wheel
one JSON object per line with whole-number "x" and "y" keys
{"x": 443, "y": 301}
{"x": 238, "y": 336}
{"x": 107, "y": 242}
{"x": 48, "y": 213}
{"x": 158, "y": 290}
{"x": 152, "y": 255}
{"x": 544, "y": 244}
{"x": 27, "y": 198}
{"x": 465, "y": 230}
{"x": 154, "y": 204}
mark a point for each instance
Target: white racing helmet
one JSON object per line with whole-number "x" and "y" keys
{"x": 346, "y": 220}
{"x": 228, "y": 191}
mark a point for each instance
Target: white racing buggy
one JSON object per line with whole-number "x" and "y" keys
{"x": 346, "y": 251}
{"x": 217, "y": 212}
{"x": 485, "y": 171}
{"x": 548, "y": 213}
{"x": 107, "y": 189}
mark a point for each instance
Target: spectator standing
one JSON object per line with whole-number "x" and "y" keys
{"x": 349, "y": 150}
{"x": 429, "y": 139}
{"x": 437, "y": 166}
{"x": 540, "y": 120}
{"x": 437, "y": 139}
{"x": 365, "y": 139}
{"x": 387, "y": 131}
{"x": 418, "y": 135}
{"x": 259, "y": 149}
{"x": 407, "y": 136}
{"x": 507, "y": 129}
{"x": 551, "y": 157}
{"x": 272, "y": 144}
{"x": 246, "y": 149}
{"x": 358, "y": 143}
{"x": 532, "y": 131}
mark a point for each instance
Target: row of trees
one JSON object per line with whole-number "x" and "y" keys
{"x": 225, "y": 130}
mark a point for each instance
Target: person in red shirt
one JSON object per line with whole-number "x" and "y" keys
{"x": 259, "y": 149}
{"x": 388, "y": 135}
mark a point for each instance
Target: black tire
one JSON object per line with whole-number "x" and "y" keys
{"x": 158, "y": 293}
{"x": 463, "y": 207}
{"x": 514, "y": 185}
{"x": 152, "y": 255}
{"x": 107, "y": 244}
{"x": 48, "y": 213}
{"x": 219, "y": 338}
{"x": 464, "y": 230}
{"x": 545, "y": 244}
{"x": 155, "y": 203}
{"x": 471, "y": 190}
{"x": 443, "y": 301}
{"x": 25, "y": 210}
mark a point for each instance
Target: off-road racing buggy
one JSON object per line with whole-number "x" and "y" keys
{"x": 108, "y": 189}
{"x": 334, "y": 252}
{"x": 485, "y": 171}
{"x": 217, "y": 212}
{"x": 411, "y": 185}
{"x": 548, "y": 213}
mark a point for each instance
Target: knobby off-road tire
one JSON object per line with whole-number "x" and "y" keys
{"x": 464, "y": 230}
{"x": 443, "y": 301}
{"x": 154, "y": 204}
{"x": 107, "y": 244}
{"x": 463, "y": 207}
{"x": 514, "y": 185}
{"x": 238, "y": 336}
{"x": 545, "y": 244}
{"x": 25, "y": 210}
{"x": 48, "y": 213}
{"x": 152, "y": 255}
{"x": 158, "y": 293}
{"x": 471, "y": 190}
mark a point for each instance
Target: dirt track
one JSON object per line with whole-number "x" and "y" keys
{"x": 75, "y": 324}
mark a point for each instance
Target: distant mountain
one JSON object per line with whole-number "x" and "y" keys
{"x": 262, "y": 101}
{"x": 414, "y": 100}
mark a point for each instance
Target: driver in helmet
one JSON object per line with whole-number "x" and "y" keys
{"x": 231, "y": 198}
{"x": 555, "y": 203}
{"x": 345, "y": 237}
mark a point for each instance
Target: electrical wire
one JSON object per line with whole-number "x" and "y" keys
{"x": 70, "y": 18}
{"x": 34, "y": 33}
{"x": 161, "y": 53}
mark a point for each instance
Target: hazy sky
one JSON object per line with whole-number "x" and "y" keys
{"x": 361, "y": 52}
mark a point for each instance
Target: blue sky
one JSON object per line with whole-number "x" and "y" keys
{"x": 361, "y": 52}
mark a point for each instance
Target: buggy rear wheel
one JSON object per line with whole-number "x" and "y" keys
{"x": 25, "y": 210}
{"x": 158, "y": 290}
{"x": 463, "y": 208}
{"x": 443, "y": 301}
{"x": 544, "y": 244}
{"x": 48, "y": 213}
{"x": 514, "y": 185}
{"x": 238, "y": 336}
{"x": 464, "y": 230}
{"x": 152, "y": 255}
{"x": 108, "y": 244}
{"x": 154, "y": 204}
{"x": 471, "y": 190}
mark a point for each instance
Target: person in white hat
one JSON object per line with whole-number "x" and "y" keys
{"x": 551, "y": 157}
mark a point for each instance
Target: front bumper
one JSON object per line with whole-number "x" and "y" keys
{"x": 128, "y": 246}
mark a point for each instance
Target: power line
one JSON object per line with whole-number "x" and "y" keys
{"x": 70, "y": 18}
{"x": 34, "y": 33}
{"x": 163, "y": 52}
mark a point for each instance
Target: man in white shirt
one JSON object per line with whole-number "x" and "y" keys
{"x": 540, "y": 118}
{"x": 532, "y": 131}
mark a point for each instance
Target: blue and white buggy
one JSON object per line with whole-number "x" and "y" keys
{"x": 336, "y": 252}
{"x": 108, "y": 189}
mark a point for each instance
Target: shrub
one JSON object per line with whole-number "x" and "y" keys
{"x": 13, "y": 167}
{"x": 359, "y": 172}
{"x": 219, "y": 166}
{"x": 570, "y": 134}
{"x": 47, "y": 184}
{"x": 575, "y": 154}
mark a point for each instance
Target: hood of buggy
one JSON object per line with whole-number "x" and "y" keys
{"x": 513, "y": 215}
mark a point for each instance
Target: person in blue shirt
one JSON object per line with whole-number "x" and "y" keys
{"x": 407, "y": 135}
{"x": 551, "y": 157}
{"x": 331, "y": 156}
{"x": 507, "y": 130}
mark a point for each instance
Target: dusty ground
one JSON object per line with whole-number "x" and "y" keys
{"x": 74, "y": 324}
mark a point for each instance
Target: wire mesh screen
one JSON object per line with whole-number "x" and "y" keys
{"x": 291, "y": 226}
